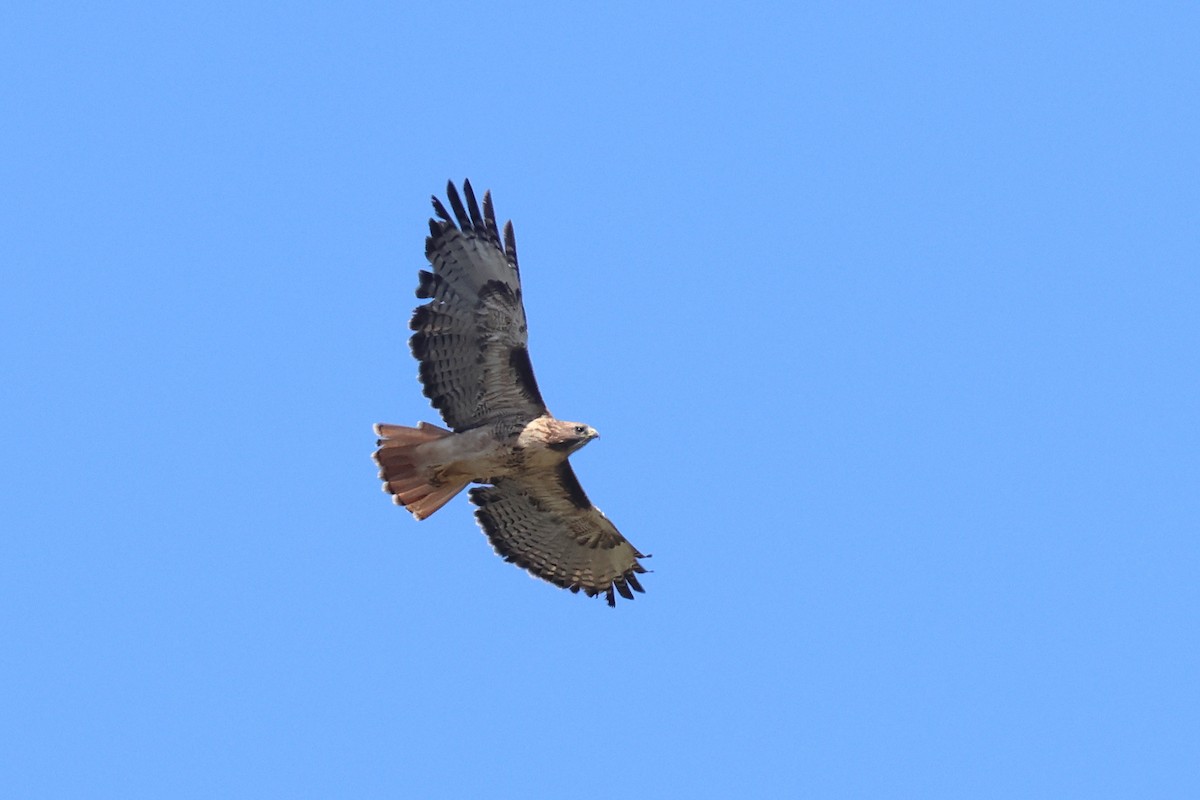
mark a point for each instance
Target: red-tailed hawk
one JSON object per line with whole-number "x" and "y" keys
{"x": 470, "y": 339}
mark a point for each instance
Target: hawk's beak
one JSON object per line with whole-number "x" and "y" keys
{"x": 593, "y": 434}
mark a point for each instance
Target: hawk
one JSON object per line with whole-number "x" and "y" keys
{"x": 470, "y": 339}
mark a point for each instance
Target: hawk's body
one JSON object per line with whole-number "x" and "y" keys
{"x": 471, "y": 342}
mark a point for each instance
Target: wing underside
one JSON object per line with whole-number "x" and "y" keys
{"x": 471, "y": 338}
{"x": 544, "y": 523}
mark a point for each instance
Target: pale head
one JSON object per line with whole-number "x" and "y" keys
{"x": 567, "y": 437}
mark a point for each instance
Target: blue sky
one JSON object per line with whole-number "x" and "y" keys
{"x": 888, "y": 317}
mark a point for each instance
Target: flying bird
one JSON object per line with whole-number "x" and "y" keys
{"x": 471, "y": 341}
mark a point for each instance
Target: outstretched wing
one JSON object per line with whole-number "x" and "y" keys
{"x": 542, "y": 521}
{"x": 471, "y": 336}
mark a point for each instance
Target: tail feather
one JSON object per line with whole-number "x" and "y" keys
{"x": 403, "y": 472}
{"x": 401, "y": 434}
{"x": 426, "y": 504}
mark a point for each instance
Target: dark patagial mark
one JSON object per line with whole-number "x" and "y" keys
{"x": 518, "y": 360}
{"x": 570, "y": 485}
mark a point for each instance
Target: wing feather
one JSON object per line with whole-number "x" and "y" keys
{"x": 544, "y": 523}
{"x": 471, "y": 338}
{"x": 489, "y": 218}
{"x": 456, "y": 203}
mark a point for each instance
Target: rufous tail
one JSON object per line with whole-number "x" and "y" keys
{"x": 403, "y": 472}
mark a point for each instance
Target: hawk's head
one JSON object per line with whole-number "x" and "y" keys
{"x": 567, "y": 437}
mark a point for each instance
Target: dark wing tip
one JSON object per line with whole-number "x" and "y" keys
{"x": 473, "y": 207}
{"x": 468, "y": 216}
{"x": 456, "y": 203}
{"x": 489, "y": 217}
{"x": 623, "y": 584}
{"x": 443, "y": 215}
{"x": 510, "y": 245}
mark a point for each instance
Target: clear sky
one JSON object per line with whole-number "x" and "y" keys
{"x": 889, "y": 318}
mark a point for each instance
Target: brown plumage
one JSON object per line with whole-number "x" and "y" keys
{"x": 470, "y": 339}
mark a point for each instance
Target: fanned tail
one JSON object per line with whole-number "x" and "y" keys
{"x": 403, "y": 472}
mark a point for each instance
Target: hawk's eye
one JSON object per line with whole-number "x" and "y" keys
{"x": 580, "y": 430}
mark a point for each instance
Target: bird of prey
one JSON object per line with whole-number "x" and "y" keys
{"x": 470, "y": 339}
